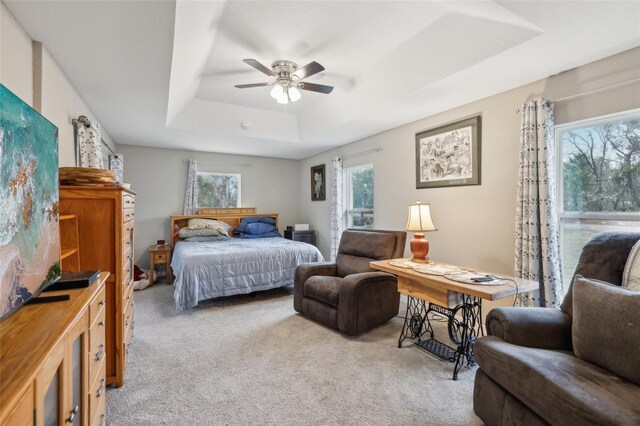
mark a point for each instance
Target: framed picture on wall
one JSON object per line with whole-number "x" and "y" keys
{"x": 318, "y": 192}
{"x": 449, "y": 155}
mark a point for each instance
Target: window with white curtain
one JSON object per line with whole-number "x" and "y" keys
{"x": 598, "y": 181}
{"x": 358, "y": 196}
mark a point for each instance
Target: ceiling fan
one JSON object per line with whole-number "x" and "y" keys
{"x": 288, "y": 79}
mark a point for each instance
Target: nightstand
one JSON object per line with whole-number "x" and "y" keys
{"x": 308, "y": 237}
{"x": 160, "y": 255}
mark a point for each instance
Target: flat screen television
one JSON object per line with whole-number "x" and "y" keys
{"x": 29, "y": 203}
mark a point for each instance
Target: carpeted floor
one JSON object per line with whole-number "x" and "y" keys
{"x": 254, "y": 360}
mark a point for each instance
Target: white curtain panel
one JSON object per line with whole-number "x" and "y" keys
{"x": 190, "y": 193}
{"x": 336, "y": 206}
{"x": 116, "y": 163}
{"x": 89, "y": 144}
{"x": 537, "y": 246}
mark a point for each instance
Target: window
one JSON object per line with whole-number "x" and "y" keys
{"x": 598, "y": 181}
{"x": 359, "y": 196}
{"x": 217, "y": 189}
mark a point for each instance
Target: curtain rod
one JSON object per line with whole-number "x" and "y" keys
{"x": 357, "y": 154}
{"x": 594, "y": 91}
{"x": 218, "y": 164}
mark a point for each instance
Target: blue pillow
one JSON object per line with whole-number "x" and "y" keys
{"x": 242, "y": 227}
{"x": 267, "y": 235}
{"x": 257, "y": 228}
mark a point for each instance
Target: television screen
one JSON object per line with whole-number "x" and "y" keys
{"x": 29, "y": 228}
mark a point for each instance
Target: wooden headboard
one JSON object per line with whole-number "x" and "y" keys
{"x": 232, "y": 219}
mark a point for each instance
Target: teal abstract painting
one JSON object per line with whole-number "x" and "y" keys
{"x": 29, "y": 202}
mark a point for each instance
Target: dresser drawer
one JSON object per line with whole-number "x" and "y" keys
{"x": 126, "y": 241}
{"x": 160, "y": 257}
{"x": 128, "y": 314}
{"x": 96, "y": 306}
{"x": 97, "y": 394}
{"x": 97, "y": 351}
{"x": 126, "y": 230}
{"x": 128, "y": 214}
{"x": 128, "y": 201}
{"x": 127, "y": 272}
{"x": 126, "y": 254}
{"x": 128, "y": 296}
{"x": 305, "y": 238}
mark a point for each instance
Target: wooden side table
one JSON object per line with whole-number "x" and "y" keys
{"x": 160, "y": 255}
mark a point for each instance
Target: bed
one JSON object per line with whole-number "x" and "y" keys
{"x": 206, "y": 270}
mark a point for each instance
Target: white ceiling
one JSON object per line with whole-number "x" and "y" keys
{"x": 162, "y": 73}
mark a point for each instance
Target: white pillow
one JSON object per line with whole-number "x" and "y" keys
{"x": 218, "y": 225}
{"x": 631, "y": 274}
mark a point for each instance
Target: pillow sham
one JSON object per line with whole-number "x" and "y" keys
{"x": 271, "y": 234}
{"x": 631, "y": 274}
{"x": 207, "y": 239}
{"x": 198, "y": 232}
{"x": 209, "y": 223}
{"x": 257, "y": 228}
{"x": 599, "y": 308}
{"x": 242, "y": 227}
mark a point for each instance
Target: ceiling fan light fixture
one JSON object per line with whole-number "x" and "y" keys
{"x": 277, "y": 92}
{"x": 294, "y": 94}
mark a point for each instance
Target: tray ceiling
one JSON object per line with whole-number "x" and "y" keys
{"x": 163, "y": 73}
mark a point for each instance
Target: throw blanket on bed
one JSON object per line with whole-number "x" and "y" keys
{"x": 205, "y": 270}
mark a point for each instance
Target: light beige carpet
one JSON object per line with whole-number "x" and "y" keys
{"x": 254, "y": 360}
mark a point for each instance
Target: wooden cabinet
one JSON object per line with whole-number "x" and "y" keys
{"x": 106, "y": 219}
{"x": 46, "y": 357}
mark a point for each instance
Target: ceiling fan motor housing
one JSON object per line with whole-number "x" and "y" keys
{"x": 284, "y": 70}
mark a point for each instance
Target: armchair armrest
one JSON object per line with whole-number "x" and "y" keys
{"x": 544, "y": 328}
{"x": 302, "y": 274}
{"x": 367, "y": 299}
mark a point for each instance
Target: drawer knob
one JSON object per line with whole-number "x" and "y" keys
{"x": 100, "y": 389}
{"x": 101, "y": 302}
{"x": 100, "y": 353}
{"x": 101, "y": 323}
{"x": 72, "y": 414}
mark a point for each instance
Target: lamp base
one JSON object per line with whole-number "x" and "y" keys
{"x": 419, "y": 248}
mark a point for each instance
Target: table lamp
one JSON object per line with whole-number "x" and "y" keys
{"x": 418, "y": 222}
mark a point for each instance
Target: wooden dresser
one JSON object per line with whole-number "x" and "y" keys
{"x": 52, "y": 361}
{"x": 106, "y": 236}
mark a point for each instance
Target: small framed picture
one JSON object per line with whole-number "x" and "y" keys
{"x": 318, "y": 183}
{"x": 449, "y": 155}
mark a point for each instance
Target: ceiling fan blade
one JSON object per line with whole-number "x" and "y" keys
{"x": 246, "y": 86}
{"x": 257, "y": 65}
{"x": 308, "y": 70}
{"x": 320, "y": 88}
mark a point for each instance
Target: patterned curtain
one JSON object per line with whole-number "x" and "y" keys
{"x": 88, "y": 143}
{"x": 336, "y": 206}
{"x": 190, "y": 193}
{"x": 116, "y": 163}
{"x": 537, "y": 247}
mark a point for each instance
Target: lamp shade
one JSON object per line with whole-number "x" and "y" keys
{"x": 419, "y": 218}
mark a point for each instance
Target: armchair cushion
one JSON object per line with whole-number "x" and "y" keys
{"x": 603, "y": 258}
{"x": 303, "y": 272}
{"x": 558, "y": 386}
{"x": 544, "y": 328}
{"x": 606, "y": 327}
{"x": 357, "y": 249}
{"x": 323, "y": 288}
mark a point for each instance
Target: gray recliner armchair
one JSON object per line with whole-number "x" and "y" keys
{"x": 348, "y": 295}
{"x": 528, "y": 373}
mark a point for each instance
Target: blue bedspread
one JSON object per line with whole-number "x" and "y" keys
{"x": 205, "y": 270}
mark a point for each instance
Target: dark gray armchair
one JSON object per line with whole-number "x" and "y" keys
{"x": 528, "y": 373}
{"x": 348, "y": 295}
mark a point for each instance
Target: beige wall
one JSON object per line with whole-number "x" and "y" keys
{"x": 476, "y": 223}
{"x": 159, "y": 177}
{"x": 29, "y": 70}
